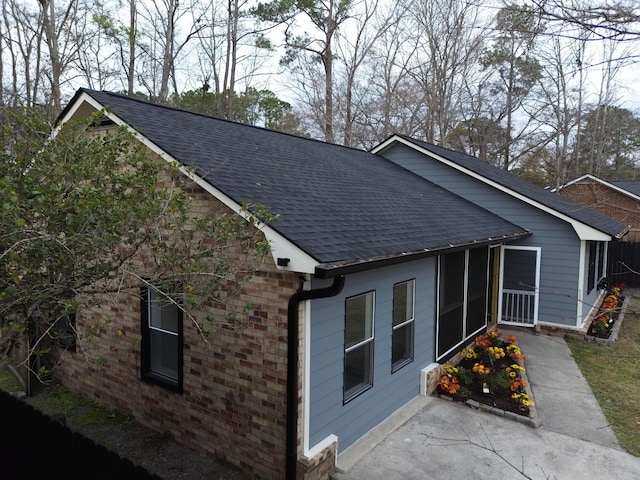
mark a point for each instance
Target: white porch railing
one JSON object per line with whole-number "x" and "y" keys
{"x": 518, "y": 307}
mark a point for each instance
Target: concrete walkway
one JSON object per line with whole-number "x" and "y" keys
{"x": 432, "y": 438}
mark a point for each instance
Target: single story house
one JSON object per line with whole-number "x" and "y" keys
{"x": 550, "y": 277}
{"x": 376, "y": 274}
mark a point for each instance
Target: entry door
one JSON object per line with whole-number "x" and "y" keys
{"x": 519, "y": 285}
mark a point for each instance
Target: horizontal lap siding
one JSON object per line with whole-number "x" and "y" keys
{"x": 390, "y": 391}
{"x": 560, "y": 246}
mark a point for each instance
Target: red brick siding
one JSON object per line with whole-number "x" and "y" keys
{"x": 607, "y": 201}
{"x": 234, "y": 400}
{"x": 320, "y": 467}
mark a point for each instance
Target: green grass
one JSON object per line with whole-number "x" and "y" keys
{"x": 8, "y": 382}
{"x": 613, "y": 373}
{"x": 79, "y": 413}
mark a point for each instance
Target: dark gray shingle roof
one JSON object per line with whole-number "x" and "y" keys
{"x": 535, "y": 193}
{"x": 337, "y": 204}
{"x": 632, "y": 186}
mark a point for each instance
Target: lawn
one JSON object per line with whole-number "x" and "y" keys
{"x": 613, "y": 372}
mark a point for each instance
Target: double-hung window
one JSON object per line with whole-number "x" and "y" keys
{"x": 403, "y": 324}
{"x": 358, "y": 345}
{"x": 161, "y": 340}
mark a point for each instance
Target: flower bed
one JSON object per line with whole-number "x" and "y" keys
{"x": 608, "y": 313}
{"x": 491, "y": 373}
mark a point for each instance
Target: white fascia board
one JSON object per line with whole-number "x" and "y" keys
{"x": 584, "y": 232}
{"x": 577, "y": 180}
{"x": 299, "y": 261}
{"x": 74, "y": 109}
{"x": 604, "y": 183}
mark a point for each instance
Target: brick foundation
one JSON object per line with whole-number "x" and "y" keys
{"x": 319, "y": 467}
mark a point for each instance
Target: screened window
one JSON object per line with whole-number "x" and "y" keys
{"x": 403, "y": 324}
{"x": 462, "y": 298}
{"x": 591, "y": 278}
{"x": 358, "y": 345}
{"x": 451, "y": 298}
{"x": 601, "y": 248}
{"x": 161, "y": 340}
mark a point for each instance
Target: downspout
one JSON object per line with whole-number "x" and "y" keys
{"x": 293, "y": 321}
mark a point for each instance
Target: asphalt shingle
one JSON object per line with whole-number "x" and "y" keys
{"x": 337, "y": 204}
{"x": 632, "y": 186}
{"x": 514, "y": 183}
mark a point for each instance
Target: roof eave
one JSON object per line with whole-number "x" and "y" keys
{"x": 579, "y": 225}
{"x": 334, "y": 269}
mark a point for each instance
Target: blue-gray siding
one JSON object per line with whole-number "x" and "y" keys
{"x": 560, "y": 245}
{"x": 328, "y": 414}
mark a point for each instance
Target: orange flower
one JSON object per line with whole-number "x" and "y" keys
{"x": 449, "y": 384}
{"x": 483, "y": 341}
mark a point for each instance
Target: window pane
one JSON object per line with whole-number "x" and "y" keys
{"x": 591, "y": 281}
{"x": 164, "y": 354}
{"x": 358, "y": 319}
{"x": 449, "y": 330}
{"x": 452, "y": 280}
{"x": 162, "y": 314}
{"x": 357, "y": 370}
{"x": 402, "y": 302}
{"x": 402, "y": 348}
{"x": 476, "y": 290}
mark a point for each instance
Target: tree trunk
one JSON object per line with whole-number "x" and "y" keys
{"x": 49, "y": 18}
{"x": 132, "y": 46}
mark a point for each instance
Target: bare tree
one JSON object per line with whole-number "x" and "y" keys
{"x": 63, "y": 43}
{"x": 447, "y": 45}
{"x": 617, "y": 20}
{"x": 352, "y": 50}
{"x": 122, "y": 35}
{"x": 164, "y": 43}
{"x": 22, "y": 37}
{"x": 327, "y": 18}
{"x": 392, "y": 95}
{"x": 559, "y": 101}
{"x": 593, "y": 155}
{"x": 511, "y": 58}
{"x": 231, "y": 50}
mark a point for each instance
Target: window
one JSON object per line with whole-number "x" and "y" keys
{"x": 601, "y": 248}
{"x": 161, "y": 340}
{"x": 64, "y": 331}
{"x": 462, "y": 298}
{"x": 591, "y": 275}
{"x": 450, "y": 319}
{"x": 358, "y": 345}
{"x": 402, "y": 336}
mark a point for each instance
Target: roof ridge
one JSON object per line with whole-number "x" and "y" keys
{"x": 211, "y": 117}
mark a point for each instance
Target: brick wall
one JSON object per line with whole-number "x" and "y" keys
{"x": 607, "y": 201}
{"x": 319, "y": 467}
{"x": 234, "y": 399}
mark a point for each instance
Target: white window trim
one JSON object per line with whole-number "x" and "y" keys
{"x": 346, "y": 399}
{"x": 411, "y": 321}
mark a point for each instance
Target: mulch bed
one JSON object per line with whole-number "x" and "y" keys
{"x": 497, "y": 397}
{"x": 491, "y": 373}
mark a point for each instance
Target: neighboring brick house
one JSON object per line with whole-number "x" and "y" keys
{"x": 375, "y": 275}
{"x": 617, "y": 199}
